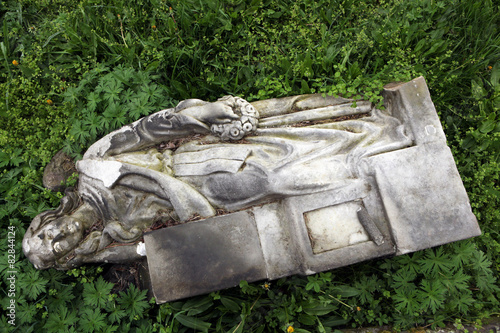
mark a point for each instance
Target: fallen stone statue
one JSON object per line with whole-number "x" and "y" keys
{"x": 215, "y": 193}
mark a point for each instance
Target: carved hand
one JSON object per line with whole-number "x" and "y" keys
{"x": 212, "y": 113}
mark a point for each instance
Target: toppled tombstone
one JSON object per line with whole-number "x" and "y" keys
{"x": 216, "y": 193}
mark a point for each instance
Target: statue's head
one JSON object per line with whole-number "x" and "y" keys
{"x": 237, "y": 129}
{"x": 53, "y": 234}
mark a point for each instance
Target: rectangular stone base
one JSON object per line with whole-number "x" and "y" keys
{"x": 265, "y": 242}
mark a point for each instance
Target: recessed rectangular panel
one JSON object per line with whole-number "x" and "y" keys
{"x": 334, "y": 227}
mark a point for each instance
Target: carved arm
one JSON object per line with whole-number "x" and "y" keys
{"x": 189, "y": 117}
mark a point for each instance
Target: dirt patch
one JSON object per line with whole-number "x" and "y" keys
{"x": 331, "y": 120}
{"x": 123, "y": 275}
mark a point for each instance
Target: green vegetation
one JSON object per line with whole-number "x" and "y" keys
{"x": 71, "y": 71}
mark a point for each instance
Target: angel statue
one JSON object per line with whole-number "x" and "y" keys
{"x": 200, "y": 158}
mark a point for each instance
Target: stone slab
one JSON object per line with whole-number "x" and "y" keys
{"x": 203, "y": 256}
{"x": 424, "y": 198}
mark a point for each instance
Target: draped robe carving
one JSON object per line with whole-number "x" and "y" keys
{"x": 126, "y": 179}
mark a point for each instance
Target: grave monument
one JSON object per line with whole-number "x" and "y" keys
{"x": 215, "y": 193}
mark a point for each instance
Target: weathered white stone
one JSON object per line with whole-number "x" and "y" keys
{"x": 108, "y": 172}
{"x": 141, "y": 249}
{"x": 277, "y": 241}
{"x": 204, "y": 256}
{"x": 206, "y": 162}
{"x": 305, "y": 191}
{"x": 423, "y": 197}
{"x": 334, "y": 227}
{"x": 321, "y": 113}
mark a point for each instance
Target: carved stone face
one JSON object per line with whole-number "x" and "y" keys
{"x": 53, "y": 241}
